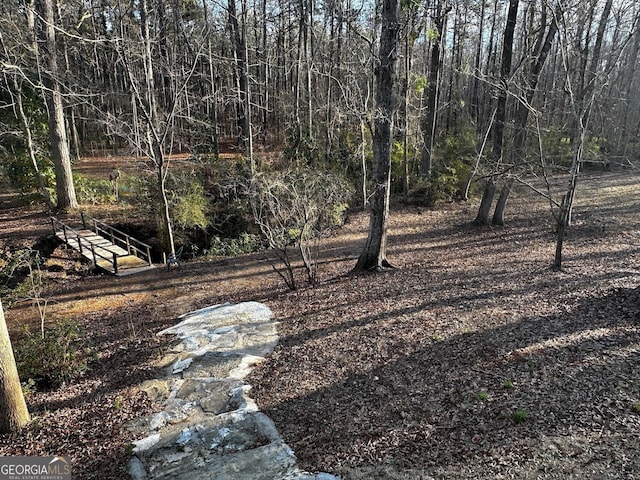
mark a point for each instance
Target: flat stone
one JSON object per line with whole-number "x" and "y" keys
{"x": 181, "y": 365}
{"x": 207, "y": 320}
{"x": 267, "y": 462}
{"x": 213, "y": 395}
{"x": 146, "y": 443}
{"x": 166, "y": 360}
{"x": 213, "y": 364}
{"x": 210, "y": 428}
{"x": 156, "y": 389}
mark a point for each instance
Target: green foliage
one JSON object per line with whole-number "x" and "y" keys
{"x": 557, "y": 148}
{"x": 520, "y": 416}
{"x": 482, "y": 396}
{"x": 53, "y": 359}
{"x": 453, "y": 160}
{"x": 189, "y": 205}
{"x": 301, "y": 146}
{"x": 229, "y": 212}
{"x": 20, "y": 274}
{"x": 226, "y": 247}
{"x": 508, "y": 384}
{"x": 397, "y": 163}
{"x": 433, "y": 34}
{"x": 419, "y": 82}
{"x": 18, "y": 170}
{"x": 93, "y": 190}
{"x": 409, "y": 5}
{"x": 15, "y": 163}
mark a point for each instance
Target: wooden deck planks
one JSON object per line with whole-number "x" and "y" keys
{"x": 104, "y": 249}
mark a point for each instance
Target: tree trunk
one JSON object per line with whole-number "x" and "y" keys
{"x": 435, "y": 65}
{"x": 57, "y": 132}
{"x": 374, "y": 255}
{"x": 476, "y": 164}
{"x": 540, "y": 54}
{"x": 581, "y": 104}
{"x": 28, "y": 140}
{"x": 475, "y": 89}
{"x": 149, "y": 107}
{"x": 482, "y": 218}
{"x": 363, "y": 163}
{"x": 13, "y": 409}
{"x": 501, "y": 204}
{"x": 408, "y": 47}
{"x": 505, "y": 71}
{"x": 485, "y": 204}
{"x": 567, "y": 201}
{"x": 240, "y": 50}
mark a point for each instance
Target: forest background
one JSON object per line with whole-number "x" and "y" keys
{"x": 480, "y": 96}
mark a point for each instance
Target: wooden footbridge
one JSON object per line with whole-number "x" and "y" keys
{"x": 108, "y": 248}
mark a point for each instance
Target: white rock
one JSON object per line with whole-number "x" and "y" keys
{"x": 182, "y": 365}
{"x": 159, "y": 420}
{"x": 176, "y": 457}
{"x": 146, "y": 443}
{"x": 246, "y": 365}
{"x": 185, "y": 436}
{"x": 137, "y": 470}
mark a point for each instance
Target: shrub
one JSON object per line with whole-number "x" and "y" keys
{"x": 189, "y": 203}
{"x": 93, "y": 190}
{"x": 452, "y": 165}
{"x": 293, "y": 209}
{"x": 54, "y": 358}
{"x": 226, "y": 247}
{"x": 301, "y": 146}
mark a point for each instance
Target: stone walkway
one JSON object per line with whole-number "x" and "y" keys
{"x": 210, "y": 428}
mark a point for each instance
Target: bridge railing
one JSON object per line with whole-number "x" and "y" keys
{"x": 117, "y": 237}
{"x": 70, "y": 233}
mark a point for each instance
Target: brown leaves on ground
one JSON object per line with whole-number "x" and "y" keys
{"x": 471, "y": 359}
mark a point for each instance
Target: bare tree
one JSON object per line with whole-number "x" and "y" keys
{"x": 60, "y": 154}
{"x": 482, "y": 218}
{"x": 542, "y": 46}
{"x": 374, "y": 254}
{"x": 433, "y": 86}
{"x": 156, "y": 104}
{"x": 582, "y": 87}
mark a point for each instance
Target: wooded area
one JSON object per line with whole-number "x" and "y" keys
{"x": 235, "y": 126}
{"x": 474, "y": 94}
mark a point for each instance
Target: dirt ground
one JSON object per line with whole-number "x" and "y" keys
{"x": 470, "y": 359}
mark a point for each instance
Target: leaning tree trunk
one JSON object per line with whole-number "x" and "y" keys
{"x": 13, "y": 409}
{"x": 60, "y": 154}
{"x": 374, "y": 255}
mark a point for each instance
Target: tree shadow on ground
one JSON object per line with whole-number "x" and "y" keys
{"x": 437, "y": 404}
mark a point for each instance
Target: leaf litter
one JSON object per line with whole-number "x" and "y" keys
{"x": 470, "y": 359}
